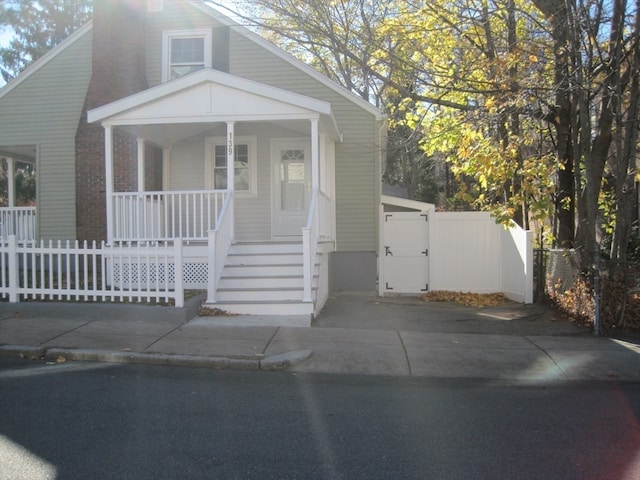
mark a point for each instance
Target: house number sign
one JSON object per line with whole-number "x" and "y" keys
{"x": 230, "y": 143}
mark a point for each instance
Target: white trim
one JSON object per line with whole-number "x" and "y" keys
{"x": 252, "y": 142}
{"x": 286, "y": 142}
{"x": 406, "y": 203}
{"x": 11, "y": 181}
{"x": 168, "y": 35}
{"x": 140, "y": 160}
{"x": 108, "y": 180}
{"x": 213, "y": 76}
{"x": 168, "y": 119}
{"x": 255, "y": 38}
{"x": 166, "y": 168}
{"x": 42, "y": 61}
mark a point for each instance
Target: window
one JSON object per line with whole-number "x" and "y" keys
{"x": 245, "y": 179}
{"x": 185, "y": 52}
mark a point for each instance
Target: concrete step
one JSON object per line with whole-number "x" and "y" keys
{"x": 265, "y": 308}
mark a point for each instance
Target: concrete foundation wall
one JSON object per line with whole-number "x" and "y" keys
{"x": 353, "y": 271}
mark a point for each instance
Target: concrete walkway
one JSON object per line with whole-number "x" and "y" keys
{"x": 355, "y": 334}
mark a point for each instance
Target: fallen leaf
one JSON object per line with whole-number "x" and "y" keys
{"x": 61, "y": 359}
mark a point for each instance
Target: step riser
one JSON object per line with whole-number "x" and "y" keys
{"x": 259, "y": 295}
{"x": 270, "y": 259}
{"x": 266, "y": 308}
{"x": 264, "y": 271}
{"x": 261, "y": 282}
{"x": 238, "y": 249}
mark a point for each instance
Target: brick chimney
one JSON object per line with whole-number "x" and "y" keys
{"x": 118, "y": 70}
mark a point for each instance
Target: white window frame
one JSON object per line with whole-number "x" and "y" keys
{"x": 167, "y": 36}
{"x": 252, "y": 143}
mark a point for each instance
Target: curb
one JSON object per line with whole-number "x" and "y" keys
{"x": 275, "y": 362}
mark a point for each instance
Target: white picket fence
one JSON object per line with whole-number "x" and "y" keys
{"x": 91, "y": 272}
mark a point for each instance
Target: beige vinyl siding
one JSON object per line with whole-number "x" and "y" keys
{"x": 357, "y": 164}
{"x": 43, "y": 111}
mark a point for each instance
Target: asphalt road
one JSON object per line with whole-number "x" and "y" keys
{"x": 101, "y": 421}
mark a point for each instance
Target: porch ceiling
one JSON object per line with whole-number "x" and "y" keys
{"x": 23, "y": 153}
{"x": 191, "y": 104}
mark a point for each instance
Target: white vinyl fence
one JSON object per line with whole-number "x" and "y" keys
{"x": 71, "y": 271}
{"x": 469, "y": 252}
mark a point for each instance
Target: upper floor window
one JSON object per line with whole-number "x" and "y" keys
{"x": 184, "y": 52}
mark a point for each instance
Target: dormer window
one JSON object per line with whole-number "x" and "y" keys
{"x": 185, "y": 52}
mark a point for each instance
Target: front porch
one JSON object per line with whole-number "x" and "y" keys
{"x": 280, "y": 276}
{"x": 248, "y": 188}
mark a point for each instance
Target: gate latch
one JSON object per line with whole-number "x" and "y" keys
{"x": 387, "y": 251}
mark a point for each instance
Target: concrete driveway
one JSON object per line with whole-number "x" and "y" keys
{"x": 369, "y": 312}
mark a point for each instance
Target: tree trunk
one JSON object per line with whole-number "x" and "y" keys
{"x": 557, "y": 13}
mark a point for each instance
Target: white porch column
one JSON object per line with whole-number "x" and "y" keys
{"x": 230, "y": 155}
{"x": 315, "y": 154}
{"x": 141, "y": 164}
{"x": 166, "y": 168}
{"x": 11, "y": 181}
{"x": 231, "y": 149}
{"x": 108, "y": 179}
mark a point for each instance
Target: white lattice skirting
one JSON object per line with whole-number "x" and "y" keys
{"x": 133, "y": 275}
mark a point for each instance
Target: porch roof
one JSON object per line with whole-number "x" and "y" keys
{"x": 211, "y": 96}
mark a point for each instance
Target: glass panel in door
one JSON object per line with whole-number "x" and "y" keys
{"x": 292, "y": 180}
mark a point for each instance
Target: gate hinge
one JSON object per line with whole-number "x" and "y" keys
{"x": 425, "y": 252}
{"x": 387, "y": 251}
{"x": 387, "y": 216}
{"x": 426, "y": 216}
{"x": 387, "y": 286}
{"x": 426, "y": 288}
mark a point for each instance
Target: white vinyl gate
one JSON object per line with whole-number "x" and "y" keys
{"x": 406, "y": 252}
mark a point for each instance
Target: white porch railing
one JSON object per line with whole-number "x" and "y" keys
{"x": 189, "y": 215}
{"x": 18, "y": 221}
{"x": 220, "y": 240}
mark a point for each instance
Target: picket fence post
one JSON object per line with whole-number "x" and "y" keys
{"x": 14, "y": 270}
{"x": 178, "y": 272}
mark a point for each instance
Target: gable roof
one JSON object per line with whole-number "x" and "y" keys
{"x": 42, "y": 61}
{"x": 255, "y": 38}
{"x": 213, "y": 96}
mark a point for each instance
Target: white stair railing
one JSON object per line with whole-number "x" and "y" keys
{"x": 220, "y": 240}
{"x": 310, "y": 236}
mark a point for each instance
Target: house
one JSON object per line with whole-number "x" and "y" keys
{"x": 164, "y": 120}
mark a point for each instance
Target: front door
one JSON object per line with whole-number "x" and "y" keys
{"x": 292, "y": 186}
